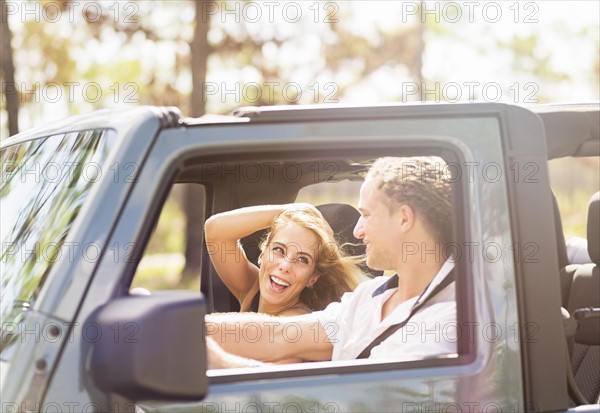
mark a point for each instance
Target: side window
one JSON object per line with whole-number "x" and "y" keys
{"x": 242, "y": 181}
{"x": 447, "y": 304}
{"x": 163, "y": 265}
{"x": 44, "y": 184}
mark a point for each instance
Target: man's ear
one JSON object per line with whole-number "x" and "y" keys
{"x": 406, "y": 216}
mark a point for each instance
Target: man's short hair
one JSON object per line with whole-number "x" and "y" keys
{"x": 423, "y": 183}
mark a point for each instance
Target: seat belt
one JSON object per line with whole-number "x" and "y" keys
{"x": 395, "y": 327}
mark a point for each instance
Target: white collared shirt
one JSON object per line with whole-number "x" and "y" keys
{"x": 355, "y": 322}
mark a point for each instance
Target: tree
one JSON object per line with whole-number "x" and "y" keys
{"x": 8, "y": 72}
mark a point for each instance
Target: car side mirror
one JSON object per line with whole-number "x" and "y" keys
{"x": 150, "y": 347}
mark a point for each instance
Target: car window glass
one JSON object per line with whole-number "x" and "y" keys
{"x": 44, "y": 184}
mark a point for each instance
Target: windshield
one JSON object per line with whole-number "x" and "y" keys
{"x": 43, "y": 185}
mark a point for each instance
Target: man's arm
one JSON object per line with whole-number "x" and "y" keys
{"x": 270, "y": 339}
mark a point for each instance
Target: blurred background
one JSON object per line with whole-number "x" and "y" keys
{"x": 60, "y": 58}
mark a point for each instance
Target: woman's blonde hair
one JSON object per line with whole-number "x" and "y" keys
{"x": 338, "y": 272}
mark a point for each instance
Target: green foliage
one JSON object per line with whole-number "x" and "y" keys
{"x": 529, "y": 57}
{"x": 168, "y": 237}
{"x": 161, "y": 272}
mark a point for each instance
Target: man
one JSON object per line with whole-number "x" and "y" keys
{"x": 406, "y": 220}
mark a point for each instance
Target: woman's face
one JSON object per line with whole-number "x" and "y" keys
{"x": 288, "y": 265}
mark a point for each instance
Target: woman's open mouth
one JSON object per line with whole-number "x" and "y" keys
{"x": 278, "y": 284}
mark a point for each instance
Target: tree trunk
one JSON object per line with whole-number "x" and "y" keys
{"x": 420, "y": 40}
{"x": 200, "y": 50}
{"x": 7, "y": 66}
{"x": 193, "y": 200}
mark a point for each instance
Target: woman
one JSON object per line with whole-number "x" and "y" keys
{"x": 301, "y": 267}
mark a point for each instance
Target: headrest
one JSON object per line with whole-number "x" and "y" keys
{"x": 343, "y": 218}
{"x": 593, "y": 228}
{"x": 584, "y": 295}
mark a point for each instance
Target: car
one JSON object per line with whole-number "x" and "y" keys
{"x": 82, "y": 197}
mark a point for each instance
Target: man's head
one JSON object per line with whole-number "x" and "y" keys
{"x": 397, "y": 194}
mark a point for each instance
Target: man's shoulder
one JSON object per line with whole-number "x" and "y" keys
{"x": 382, "y": 282}
{"x": 366, "y": 289}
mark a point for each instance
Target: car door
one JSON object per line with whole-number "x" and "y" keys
{"x": 480, "y": 143}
